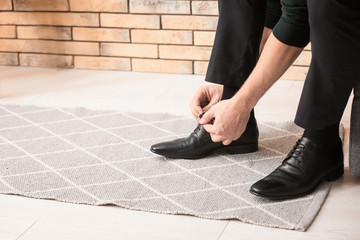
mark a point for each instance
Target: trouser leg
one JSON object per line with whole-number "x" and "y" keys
{"x": 335, "y": 65}
{"x": 236, "y": 47}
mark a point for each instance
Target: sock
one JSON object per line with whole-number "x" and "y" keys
{"x": 328, "y": 135}
{"x": 228, "y": 92}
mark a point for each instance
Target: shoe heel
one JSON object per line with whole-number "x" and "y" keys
{"x": 249, "y": 148}
{"x": 337, "y": 173}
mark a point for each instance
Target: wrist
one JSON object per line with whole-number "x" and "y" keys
{"x": 243, "y": 101}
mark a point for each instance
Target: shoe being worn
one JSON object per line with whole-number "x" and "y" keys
{"x": 199, "y": 144}
{"x": 302, "y": 170}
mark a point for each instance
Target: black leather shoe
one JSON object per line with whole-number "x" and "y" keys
{"x": 199, "y": 144}
{"x": 302, "y": 171}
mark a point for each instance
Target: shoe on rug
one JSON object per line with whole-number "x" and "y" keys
{"x": 307, "y": 164}
{"x": 199, "y": 144}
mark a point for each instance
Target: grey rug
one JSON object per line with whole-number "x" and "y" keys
{"x": 103, "y": 157}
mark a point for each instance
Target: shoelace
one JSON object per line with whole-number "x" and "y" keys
{"x": 296, "y": 152}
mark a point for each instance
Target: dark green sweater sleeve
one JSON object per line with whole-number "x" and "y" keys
{"x": 273, "y": 13}
{"x": 293, "y": 27}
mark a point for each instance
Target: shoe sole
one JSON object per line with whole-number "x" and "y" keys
{"x": 242, "y": 149}
{"x": 332, "y": 176}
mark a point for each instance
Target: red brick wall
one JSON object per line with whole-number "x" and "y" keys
{"x": 130, "y": 35}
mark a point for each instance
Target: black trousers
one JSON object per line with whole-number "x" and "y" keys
{"x": 335, "y": 65}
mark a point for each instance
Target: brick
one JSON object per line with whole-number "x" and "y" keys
{"x": 200, "y": 67}
{"x": 56, "y": 33}
{"x": 101, "y": 34}
{"x": 161, "y": 36}
{"x": 160, "y": 6}
{"x": 9, "y": 59}
{"x": 41, "y": 5}
{"x": 47, "y": 46}
{"x": 304, "y": 59}
{"x": 205, "y": 8}
{"x": 295, "y": 73}
{"x": 99, "y": 5}
{"x": 204, "y": 38}
{"x": 162, "y": 66}
{"x": 189, "y": 22}
{"x": 7, "y": 32}
{"x": 185, "y": 52}
{"x": 5, "y": 5}
{"x": 129, "y": 50}
{"x": 44, "y": 60}
{"x": 130, "y": 21}
{"x": 103, "y": 63}
{"x": 46, "y": 18}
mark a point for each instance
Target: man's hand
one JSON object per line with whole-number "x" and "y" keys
{"x": 231, "y": 116}
{"x": 230, "y": 121}
{"x": 204, "y": 99}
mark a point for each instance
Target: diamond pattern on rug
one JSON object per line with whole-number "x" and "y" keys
{"x": 20, "y": 165}
{"x": 12, "y": 122}
{"x": 125, "y": 190}
{"x": 40, "y": 117}
{"x": 102, "y": 157}
{"x": 147, "y": 167}
{"x": 9, "y": 151}
{"x": 38, "y": 146}
{"x": 92, "y": 138}
{"x": 35, "y": 182}
{"x": 67, "y": 159}
{"x": 24, "y": 133}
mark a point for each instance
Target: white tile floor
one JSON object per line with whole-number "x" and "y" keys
{"x": 26, "y": 218}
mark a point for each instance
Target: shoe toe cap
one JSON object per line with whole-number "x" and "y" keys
{"x": 268, "y": 187}
{"x": 158, "y": 148}
{"x": 258, "y": 188}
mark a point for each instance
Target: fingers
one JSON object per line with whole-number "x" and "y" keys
{"x": 195, "y": 104}
{"x": 196, "y": 111}
{"x": 219, "y": 138}
{"x": 214, "y": 137}
{"x": 207, "y": 107}
{"x": 195, "y": 107}
{"x": 207, "y": 117}
{"x": 209, "y": 128}
{"x": 226, "y": 141}
{"x": 210, "y": 104}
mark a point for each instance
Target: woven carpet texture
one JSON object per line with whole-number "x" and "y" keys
{"x": 102, "y": 157}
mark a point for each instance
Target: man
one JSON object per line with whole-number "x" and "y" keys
{"x": 229, "y": 122}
